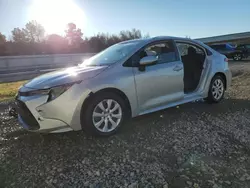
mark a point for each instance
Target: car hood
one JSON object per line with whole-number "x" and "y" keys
{"x": 64, "y": 76}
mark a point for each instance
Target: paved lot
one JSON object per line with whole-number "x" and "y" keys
{"x": 193, "y": 145}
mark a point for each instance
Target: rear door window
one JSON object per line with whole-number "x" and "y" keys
{"x": 183, "y": 49}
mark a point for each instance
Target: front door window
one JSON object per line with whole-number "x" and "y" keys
{"x": 165, "y": 52}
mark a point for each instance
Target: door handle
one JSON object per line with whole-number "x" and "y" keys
{"x": 178, "y": 68}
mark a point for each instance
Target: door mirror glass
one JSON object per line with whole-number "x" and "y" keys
{"x": 148, "y": 60}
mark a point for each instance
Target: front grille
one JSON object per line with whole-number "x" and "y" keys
{"x": 26, "y": 115}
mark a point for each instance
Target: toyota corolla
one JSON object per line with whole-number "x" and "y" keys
{"x": 126, "y": 80}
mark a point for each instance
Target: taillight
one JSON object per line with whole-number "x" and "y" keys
{"x": 226, "y": 62}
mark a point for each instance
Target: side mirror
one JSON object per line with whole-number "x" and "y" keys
{"x": 148, "y": 60}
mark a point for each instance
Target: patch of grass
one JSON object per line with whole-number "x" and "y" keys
{"x": 9, "y": 90}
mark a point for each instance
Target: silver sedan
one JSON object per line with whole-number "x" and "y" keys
{"x": 126, "y": 80}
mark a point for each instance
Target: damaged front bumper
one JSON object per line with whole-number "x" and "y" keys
{"x": 37, "y": 113}
{"x": 25, "y": 110}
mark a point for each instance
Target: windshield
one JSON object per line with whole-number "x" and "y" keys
{"x": 111, "y": 55}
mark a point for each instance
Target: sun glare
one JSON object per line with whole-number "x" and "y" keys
{"x": 54, "y": 15}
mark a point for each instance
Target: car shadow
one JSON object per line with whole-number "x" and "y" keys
{"x": 194, "y": 109}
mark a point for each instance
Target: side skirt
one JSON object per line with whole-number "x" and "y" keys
{"x": 187, "y": 98}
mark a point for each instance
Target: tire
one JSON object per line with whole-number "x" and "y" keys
{"x": 91, "y": 112}
{"x": 237, "y": 57}
{"x": 212, "y": 96}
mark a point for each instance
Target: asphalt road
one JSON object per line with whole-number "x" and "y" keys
{"x": 192, "y": 145}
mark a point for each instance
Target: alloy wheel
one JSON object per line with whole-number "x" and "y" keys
{"x": 217, "y": 89}
{"x": 237, "y": 57}
{"x": 107, "y": 115}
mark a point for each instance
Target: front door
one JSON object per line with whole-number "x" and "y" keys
{"x": 162, "y": 83}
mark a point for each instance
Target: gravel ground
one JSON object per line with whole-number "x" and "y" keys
{"x": 193, "y": 145}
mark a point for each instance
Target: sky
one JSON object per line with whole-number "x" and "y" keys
{"x": 193, "y": 18}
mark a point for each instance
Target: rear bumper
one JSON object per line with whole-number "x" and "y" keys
{"x": 228, "y": 75}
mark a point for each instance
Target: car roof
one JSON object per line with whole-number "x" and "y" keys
{"x": 169, "y": 37}
{"x": 158, "y": 38}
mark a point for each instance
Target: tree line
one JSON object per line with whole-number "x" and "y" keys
{"x": 32, "y": 40}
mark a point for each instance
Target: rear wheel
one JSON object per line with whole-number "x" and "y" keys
{"x": 237, "y": 57}
{"x": 216, "y": 89}
{"x": 104, "y": 114}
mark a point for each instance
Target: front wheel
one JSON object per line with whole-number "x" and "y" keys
{"x": 104, "y": 114}
{"x": 216, "y": 89}
{"x": 237, "y": 57}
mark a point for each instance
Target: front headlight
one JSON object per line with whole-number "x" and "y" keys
{"x": 34, "y": 92}
{"x": 58, "y": 90}
{"x": 52, "y": 92}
